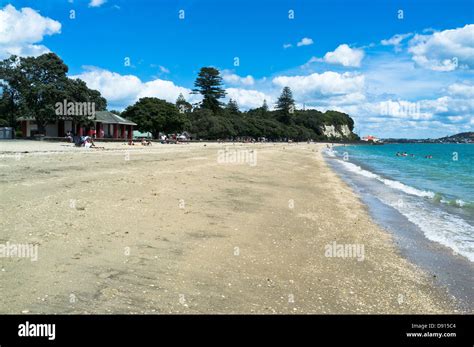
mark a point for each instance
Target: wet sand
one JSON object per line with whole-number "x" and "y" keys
{"x": 176, "y": 229}
{"x": 447, "y": 268}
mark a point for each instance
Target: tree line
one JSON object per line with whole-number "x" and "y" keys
{"x": 31, "y": 87}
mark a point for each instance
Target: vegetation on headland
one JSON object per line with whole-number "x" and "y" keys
{"x": 32, "y": 86}
{"x": 466, "y": 137}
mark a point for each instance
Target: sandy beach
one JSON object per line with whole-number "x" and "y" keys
{"x": 187, "y": 229}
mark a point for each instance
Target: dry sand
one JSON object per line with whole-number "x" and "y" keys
{"x": 172, "y": 229}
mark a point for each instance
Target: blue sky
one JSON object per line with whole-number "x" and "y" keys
{"x": 397, "y": 74}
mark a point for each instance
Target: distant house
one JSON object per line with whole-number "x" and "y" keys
{"x": 370, "y": 138}
{"x": 106, "y": 125}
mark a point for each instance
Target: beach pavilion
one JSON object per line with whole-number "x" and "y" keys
{"x": 106, "y": 125}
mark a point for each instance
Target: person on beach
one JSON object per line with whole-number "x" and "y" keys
{"x": 89, "y": 142}
{"x": 83, "y": 140}
{"x": 70, "y": 136}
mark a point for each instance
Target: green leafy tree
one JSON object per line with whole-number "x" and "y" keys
{"x": 154, "y": 115}
{"x": 32, "y": 86}
{"x": 10, "y": 80}
{"x": 77, "y": 91}
{"x": 43, "y": 83}
{"x": 209, "y": 85}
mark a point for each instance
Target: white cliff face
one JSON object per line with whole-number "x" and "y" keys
{"x": 330, "y": 131}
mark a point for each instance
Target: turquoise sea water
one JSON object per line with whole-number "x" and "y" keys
{"x": 436, "y": 194}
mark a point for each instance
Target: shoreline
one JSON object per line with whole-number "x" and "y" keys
{"x": 449, "y": 270}
{"x": 173, "y": 230}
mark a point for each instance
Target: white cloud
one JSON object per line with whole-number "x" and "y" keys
{"x": 164, "y": 69}
{"x": 97, "y": 3}
{"x": 305, "y": 41}
{"x": 445, "y": 50}
{"x": 246, "y": 98}
{"x": 347, "y": 99}
{"x": 463, "y": 90}
{"x": 235, "y": 79}
{"x": 345, "y": 56}
{"x": 456, "y": 119}
{"x": 165, "y": 90}
{"x": 395, "y": 40}
{"x": 125, "y": 89}
{"x": 21, "y": 30}
{"x": 113, "y": 86}
{"x": 326, "y": 83}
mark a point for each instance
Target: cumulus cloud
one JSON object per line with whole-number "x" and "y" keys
{"x": 247, "y": 98}
{"x": 287, "y": 45}
{"x": 345, "y": 56}
{"x": 326, "y": 83}
{"x": 305, "y": 41}
{"x": 21, "y": 30}
{"x": 438, "y": 116}
{"x": 125, "y": 89}
{"x": 165, "y": 90}
{"x": 342, "y": 55}
{"x": 444, "y": 50}
{"x": 462, "y": 90}
{"x": 234, "y": 79}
